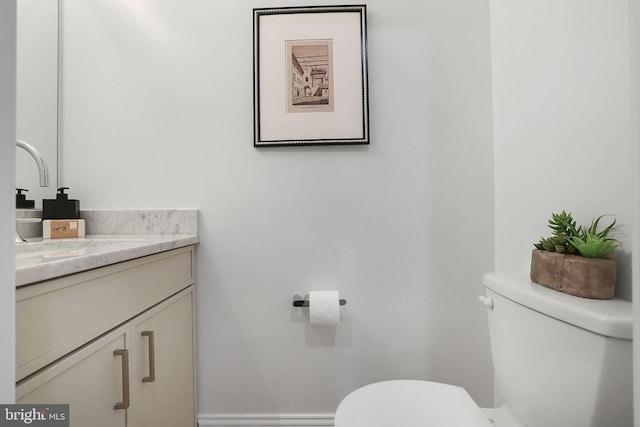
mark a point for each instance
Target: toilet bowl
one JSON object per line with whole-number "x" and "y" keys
{"x": 410, "y": 403}
{"x": 559, "y": 361}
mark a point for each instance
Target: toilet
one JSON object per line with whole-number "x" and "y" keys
{"x": 559, "y": 361}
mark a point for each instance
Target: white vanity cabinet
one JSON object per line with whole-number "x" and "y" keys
{"x": 115, "y": 343}
{"x": 162, "y": 369}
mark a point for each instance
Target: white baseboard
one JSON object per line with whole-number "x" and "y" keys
{"x": 265, "y": 420}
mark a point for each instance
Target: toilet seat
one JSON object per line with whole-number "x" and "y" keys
{"x": 408, "y": 403}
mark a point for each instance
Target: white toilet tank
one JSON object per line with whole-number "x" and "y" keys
{"x": 560, "y": 360}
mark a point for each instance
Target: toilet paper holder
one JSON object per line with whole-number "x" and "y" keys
{"x": 305, "y": 303}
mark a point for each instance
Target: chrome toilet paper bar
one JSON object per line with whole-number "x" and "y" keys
{"x": 305, "y": 303}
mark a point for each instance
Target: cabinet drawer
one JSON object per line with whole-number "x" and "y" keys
{"x": 60, "y": 315}
{"x": 89, "y": 381}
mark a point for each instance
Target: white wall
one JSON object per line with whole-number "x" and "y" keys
{"x": 635, "y": 72}
{"x": 157, "y": 112}
{"x": 7, "y": 191}
{"x": 562, "y": 122}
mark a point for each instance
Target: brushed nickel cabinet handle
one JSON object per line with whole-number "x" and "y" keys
{"x": 124, "y": 353}
{"x": 152, "y": 357}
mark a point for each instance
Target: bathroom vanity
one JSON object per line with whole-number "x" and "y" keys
{"x": 115, "y": 340}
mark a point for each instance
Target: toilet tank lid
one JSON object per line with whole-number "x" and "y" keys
{"x": 611, "y": 318}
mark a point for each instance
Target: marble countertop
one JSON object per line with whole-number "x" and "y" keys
{"x": 147, "y": 233}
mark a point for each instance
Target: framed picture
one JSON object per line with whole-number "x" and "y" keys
{"x": 310, "y": 76}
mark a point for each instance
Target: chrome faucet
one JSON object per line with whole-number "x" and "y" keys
{"x": 42, "y": 170}
{"x": 37, "y": 156}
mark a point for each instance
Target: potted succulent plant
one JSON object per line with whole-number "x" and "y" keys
{"x": 576, "y": 260}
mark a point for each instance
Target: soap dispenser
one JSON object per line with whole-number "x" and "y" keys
{"x": 61, "y": 217}
{"x": 61, "y": 207}
{"x": 21, "y": 200}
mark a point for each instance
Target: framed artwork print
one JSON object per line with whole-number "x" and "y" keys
{"x": 310, "y": 76}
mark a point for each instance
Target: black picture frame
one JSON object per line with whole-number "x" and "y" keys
{"x": 310, "y": 72}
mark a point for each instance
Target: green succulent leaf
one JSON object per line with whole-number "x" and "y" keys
{"x": 594, "y": 227}
{"x": 563, "y": 224}
{"x": 593, "y": 246}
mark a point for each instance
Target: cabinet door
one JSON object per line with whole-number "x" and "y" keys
{"x": 163, "y": 368}
{"x": 91, "y": 380}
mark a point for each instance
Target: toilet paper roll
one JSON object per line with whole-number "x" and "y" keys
{"x": 324, "y": 308}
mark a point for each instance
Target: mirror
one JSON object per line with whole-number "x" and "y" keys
{"x": 37, "y": 94}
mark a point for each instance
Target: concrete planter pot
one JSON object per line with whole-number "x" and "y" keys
{"x": 575, "y": 275}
